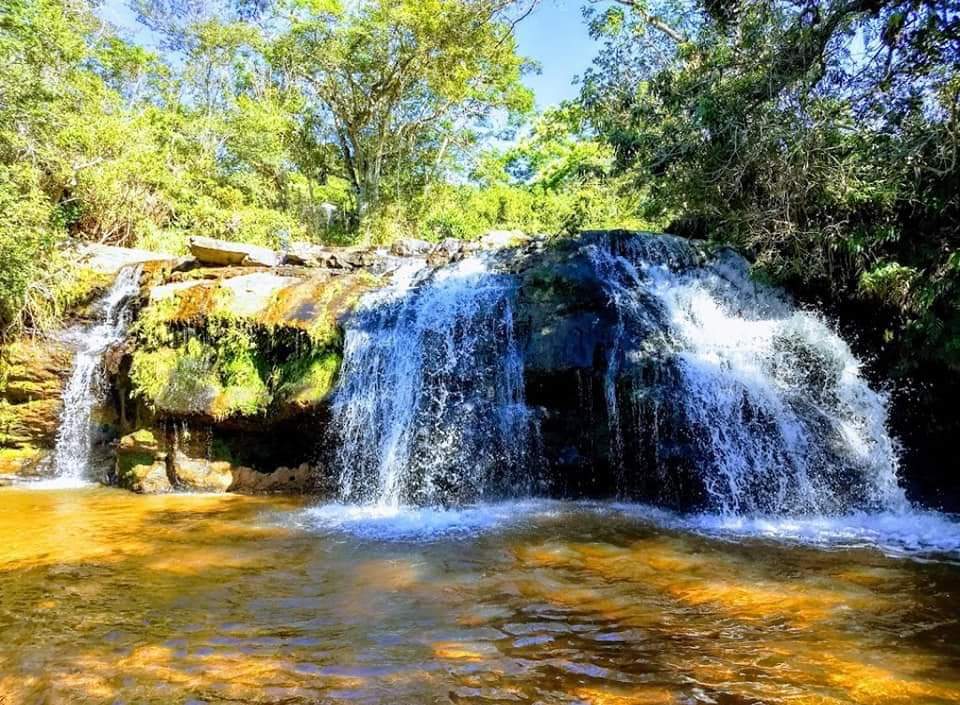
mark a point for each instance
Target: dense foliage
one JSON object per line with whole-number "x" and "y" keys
{"x": 259, "y": 121}
{"x": 821, "y": 136}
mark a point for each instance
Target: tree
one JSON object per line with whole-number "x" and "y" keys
{"x": 397, "y": 86}
{"x": 821, "y": 136}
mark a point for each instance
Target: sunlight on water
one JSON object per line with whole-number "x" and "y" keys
{"x": 112, "y": 597}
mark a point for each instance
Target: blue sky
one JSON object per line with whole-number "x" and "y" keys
{"x": 554, "y": 35}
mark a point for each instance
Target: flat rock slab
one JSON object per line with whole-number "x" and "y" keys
{"x": 106, "y": 259}
{"x": 245, "y": 296}
{"x": 207, "y": 250}
{"x": 253, "y": 293}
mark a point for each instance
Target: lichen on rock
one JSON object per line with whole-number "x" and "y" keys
{"x": 33, "y": 372}
{"x": 259, "y": 345}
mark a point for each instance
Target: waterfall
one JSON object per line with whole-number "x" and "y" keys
{"x": 718, "y": 393}
{"x": 770, "y": 401}
{"x": 430, "y": 407}
{"x": 85, "y": 388}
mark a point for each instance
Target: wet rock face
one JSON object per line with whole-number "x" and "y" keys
{"x": 142, "y": 463}
{"x": 164, "y": 459}
{"x": 570, "y": 325}
{"x": 33, "y": 374}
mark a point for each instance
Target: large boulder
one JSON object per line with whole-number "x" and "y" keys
{"x": 307, "y": 254}
{"x": 411, "y": 247}
{"x": 207, "y": 250}
{"x": 201, "y": 474}
{"x": 298, "y": 480}
{"x": 142, "y": 463}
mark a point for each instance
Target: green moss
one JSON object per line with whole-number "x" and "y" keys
{"x": 128, "y": 462}
{"x": 198, "y": 378}
{"x": 308, "y": 380}
{"x": 194, "y": 357}
{"x": 153, "y": 326}
{"x": 80, "y": 288}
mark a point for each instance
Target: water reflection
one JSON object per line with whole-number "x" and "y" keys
{"x": 109, "y": 597}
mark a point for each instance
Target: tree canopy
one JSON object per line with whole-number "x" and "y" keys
{"x": 820, "y": 136}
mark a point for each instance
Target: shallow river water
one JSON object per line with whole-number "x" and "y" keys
{"x": 108, "y": 597}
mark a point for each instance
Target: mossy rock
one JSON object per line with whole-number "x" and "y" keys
{"x": 308, "y": 381}
{"x": 256, "y": 346}
{"x": 142, "y": 463}
{"x": 78, "y": 294}
{"x": 198, "y": 379}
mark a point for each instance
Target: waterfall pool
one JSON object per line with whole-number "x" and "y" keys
{"x": 109, "y": 597}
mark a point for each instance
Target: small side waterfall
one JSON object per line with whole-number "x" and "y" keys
{"x": 84, "y": 389}
{"x": 430, "y": 408}
{"x": 769, "y": 398}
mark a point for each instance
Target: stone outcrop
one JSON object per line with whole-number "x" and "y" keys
{"x": 142, "y": 463}
{"x": 155, "y": 461}
{"x": 248, "y": 348}
{"x": 208, "y": 251}
{"x": 33, "y": 373}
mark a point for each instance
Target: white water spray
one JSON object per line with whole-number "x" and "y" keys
{"x": 430, "y": 408}
{"x": 85, "y": 388}
{"x": 780, "y": 419}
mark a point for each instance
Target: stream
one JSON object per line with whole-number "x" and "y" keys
{"x": 116, "y": 598}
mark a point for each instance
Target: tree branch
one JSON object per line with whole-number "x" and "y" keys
{"x": 657, "y": 23}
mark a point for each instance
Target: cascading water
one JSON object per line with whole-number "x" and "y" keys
{"x": 84, "y": 389}
{"x": 430, "y": 408}
{"x": 719, "y": 393}
{"x": 769, "y": 399}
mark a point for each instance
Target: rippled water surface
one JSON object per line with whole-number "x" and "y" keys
{"x": 114, "y": 598}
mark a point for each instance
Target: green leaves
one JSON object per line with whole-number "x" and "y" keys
{"x": 821, "y": 137}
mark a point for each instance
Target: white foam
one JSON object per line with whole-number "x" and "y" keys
{"x": 398, "y": 523}
{"x": 55, "y": 483}
{"x": 912, "y": 532}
